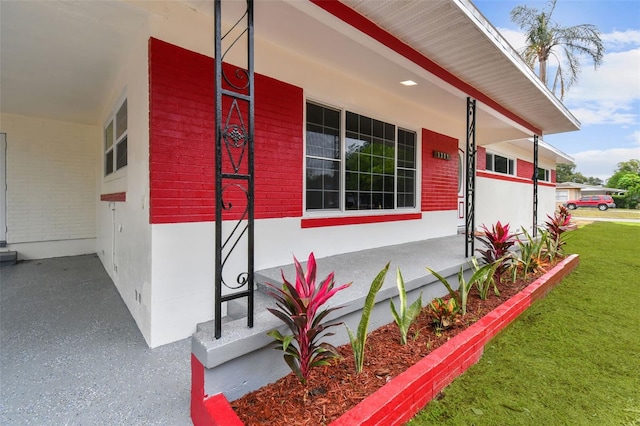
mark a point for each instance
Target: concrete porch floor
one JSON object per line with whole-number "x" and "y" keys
{"x": 70, "y": 352}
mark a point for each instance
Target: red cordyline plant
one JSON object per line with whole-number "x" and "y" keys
{"x": 299, "y": 308}
{"x": 497, "y": 241}
{"x": 558, "y": 225}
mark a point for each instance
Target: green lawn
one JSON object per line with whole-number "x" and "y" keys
{"x": 572, "y": 358}
{"x": 609, "y": 214}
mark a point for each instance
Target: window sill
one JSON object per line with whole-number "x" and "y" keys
{"x": 357, "y": 220}
{"x": 114, "y": 196}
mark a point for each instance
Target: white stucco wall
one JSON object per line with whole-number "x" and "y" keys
{"x": 124, "y": 233}
{"x": 183, "y": 260}
{"x": 51, "y": 170}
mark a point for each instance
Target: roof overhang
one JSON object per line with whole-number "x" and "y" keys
{"x": 59, "y": 58}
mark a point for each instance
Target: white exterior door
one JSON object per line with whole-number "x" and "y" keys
{"x": 3, "y": 189}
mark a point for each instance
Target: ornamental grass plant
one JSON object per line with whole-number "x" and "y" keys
{"x": 572, "y": 358}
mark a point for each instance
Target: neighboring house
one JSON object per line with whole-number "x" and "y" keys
{"x": 573, "y": 191}
{"x": 108, "y": 111}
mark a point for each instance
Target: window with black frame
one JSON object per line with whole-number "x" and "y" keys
{"x": 379, "y": 162}
{"x": 499, "y": 164}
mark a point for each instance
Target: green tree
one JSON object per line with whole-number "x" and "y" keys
{"x": 625, "y": 167}
{"x": 543, "y": 36}
{"x": 567, "y": 173}
{"x": 564, "y": 172}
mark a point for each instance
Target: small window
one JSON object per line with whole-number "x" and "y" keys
{"x": 499, "y": 164}
{"x": 115, "y": 140}
{"x": 544, "y": 175}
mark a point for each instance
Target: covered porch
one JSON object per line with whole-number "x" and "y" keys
{"x": 243, "y": 360}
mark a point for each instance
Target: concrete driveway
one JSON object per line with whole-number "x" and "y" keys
{"x": 70, "y": 353}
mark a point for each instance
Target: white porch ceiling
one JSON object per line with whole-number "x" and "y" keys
{"x": 59, "y": 58}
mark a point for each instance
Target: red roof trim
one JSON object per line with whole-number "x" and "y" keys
{"x": 353, "y": 18}
{"x": 357, "y": 220}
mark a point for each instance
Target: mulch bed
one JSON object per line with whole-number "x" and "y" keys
{"x": 333, "y": 390}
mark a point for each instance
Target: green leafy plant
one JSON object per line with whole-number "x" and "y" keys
{"x": 484, "y": 277}
{"x": 405, "y": 317}
{"x": 497, "y": 240}
{"x": 533, "y": 253}
{"x": 443, "y": 313}
{"x": 299, "y": 308}
{"x": 359, "y": 340}
{"x": 463, "y": 290}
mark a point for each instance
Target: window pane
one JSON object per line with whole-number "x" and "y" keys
{"x": 322, "y": 142}
{"x": 365, "y": 125}
{"x": 489, "y": 158}
{"x": 121, "y": 120}
{"x": 314, "y": 114}
{"x": 322, "y": 157}
{"x": 352, "y": 122}
{"x": 501, "y": 164}
{"x": 121, "y": 154}
{"x": 108, "y": 163}
{"x": 314, "y": 200}
{"x": 332, "y": 118}
{"x": 543, "y": 174}
{"x": 108, "y": 136}
{"x": 378, "y": 129}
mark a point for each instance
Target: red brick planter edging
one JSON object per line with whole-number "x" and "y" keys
{"x": 400, "y": 399}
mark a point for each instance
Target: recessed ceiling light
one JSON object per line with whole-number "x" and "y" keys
{"x": 408, "y": 83}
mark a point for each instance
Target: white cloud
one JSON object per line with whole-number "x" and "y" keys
{"x": 602, "y": 163}
{"x": 618, "y": 40}
{"x": 614, "y": 85}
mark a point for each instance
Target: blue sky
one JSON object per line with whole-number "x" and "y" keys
{"x": 605, "y": 101}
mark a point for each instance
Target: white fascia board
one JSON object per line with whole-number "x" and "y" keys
{"x": 494, "y": 36}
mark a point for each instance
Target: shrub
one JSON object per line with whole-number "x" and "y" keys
{"x": 557, "y": 226}
{"x": 443, "y": 313}
{"x": 299, "y": 308}
{"x": 533, "y": 255}
{"x": 498, "y": 240}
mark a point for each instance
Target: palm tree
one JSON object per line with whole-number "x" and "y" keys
{"x": 543, "y": 35}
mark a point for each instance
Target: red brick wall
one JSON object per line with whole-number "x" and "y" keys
{"x": 182, "y": 139}
{"x": 481, "y": 159}
{"x": 524, "y": 169}
{"x": 439, "y": 177}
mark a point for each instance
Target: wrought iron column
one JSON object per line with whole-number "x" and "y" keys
{"x": 535, "y": 185}
{"x": 470, "y": 181}
{"x": 234, "y": 122}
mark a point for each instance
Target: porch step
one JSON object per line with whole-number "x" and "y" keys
{"x": 243, "y": 359}
{"x": 8, "y": 258}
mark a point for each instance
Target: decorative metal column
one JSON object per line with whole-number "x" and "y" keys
{"x": 234, "y": 93}
{"x": 535, "y": 185}
{"x": 470, "y": 181}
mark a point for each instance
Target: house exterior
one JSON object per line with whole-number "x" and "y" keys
{"x": 573, "y": 191}
{"x": 111, "y": 151}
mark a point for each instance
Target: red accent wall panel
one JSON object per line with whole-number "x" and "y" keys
{"x": 553, "y": 176}
{"x": 524, "y": 169}
{"x": 182, "y": 140}
{"x": 481, "y": 159}
{"x": 439, "y": 177}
